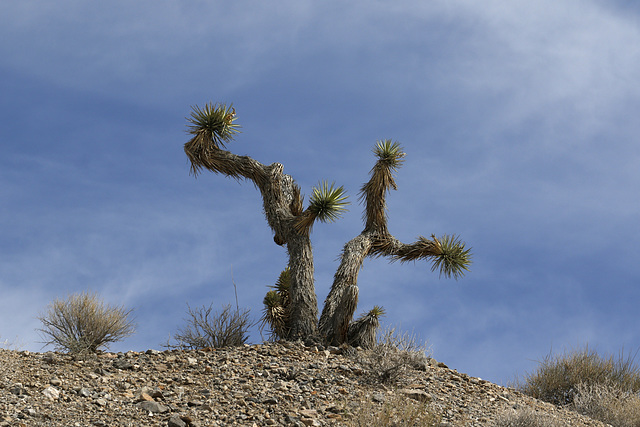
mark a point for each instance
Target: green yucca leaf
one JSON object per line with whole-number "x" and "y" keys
{"x": 390, "y": 153}
{"x": 272, "y": 299}
{"x": 283, "y": 283}
{"x": 327, "y": 202}
{"x": 451, "y": 257}
{"x": 214, "y": 122}
{"x": 376, "y": 311}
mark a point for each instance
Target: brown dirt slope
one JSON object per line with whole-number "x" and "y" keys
{"x": 258, "y": 385}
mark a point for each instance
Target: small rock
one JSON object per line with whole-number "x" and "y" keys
{"x": 30, "y": 412}
{"x": 176, "y": 421}
{"x": 49, "y": 358}
{"x": 378, "y": 397}
{"x": 144, "y": 397}
{"x": 419, "y": 395}
{"x": 55, "y": 381}
{"x": 270, "y": 401}
{"x": 51, "y": 393}
{"x": 153, "y": 407}
{"x": 84, "y": 392}
{"x": 309, "y": 413}
{"x": 17, "y": 389}
{"x": 122, "y": 364}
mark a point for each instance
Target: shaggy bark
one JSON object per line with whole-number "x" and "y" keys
{"x": 281, "y": 201}
{"x": 375, "y": 240}
{"x": 342, "y": 300}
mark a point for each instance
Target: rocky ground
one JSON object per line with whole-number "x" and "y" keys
{"x": 276, "y": 384}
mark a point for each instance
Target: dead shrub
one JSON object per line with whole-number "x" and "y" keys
{"x": 204, "y": 329}
{"x": 395, "y": 411}
{"x": 609, "y": 404}
{"x": 83, "y": 323}
{"x": 526, "y": 418}
{"x": 393, "y": 354}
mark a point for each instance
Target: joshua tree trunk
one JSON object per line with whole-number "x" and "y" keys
{"x": 342, "y": 300}
{"x": 303, "y": 311}
{"x": 282, "y": 205}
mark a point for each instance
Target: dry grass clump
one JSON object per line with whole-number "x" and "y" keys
{"x": 83, "y": 323}
{"x": 392, "y": 356}
{"x": 526, "y": 418}
{"x": 557, "y": 378}
{"x": 220, "y": 329}
{"x": 395, "y": 411}
{"x": 609, "y": 404}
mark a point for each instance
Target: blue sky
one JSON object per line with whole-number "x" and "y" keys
{"x": 519, "y": 120}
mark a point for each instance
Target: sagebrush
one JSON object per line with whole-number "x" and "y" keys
{"x": 557, "y": 378}
{"x": 83, "y": 323}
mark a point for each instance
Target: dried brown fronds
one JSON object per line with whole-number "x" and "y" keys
{"x": 362, "y": 332}
{"x": 296, "y": 207}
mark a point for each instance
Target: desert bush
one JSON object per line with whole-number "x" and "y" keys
{"x": 392, "y": 355}
{"x": 395, "y": 411}
{"x": 526, "y": 418}
{"x": 557, "y": 378}
{"x": 83, "y": 323}
{"x": 220, "y": 329}
{"x": 608, "y": 403}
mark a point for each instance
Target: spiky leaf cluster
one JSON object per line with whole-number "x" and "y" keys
{"x": 211, "y": 126}
{"x": 276, "y": 305}
{"x": 389, "y": 153}
{"x": 326, "y": 204}
{"x": 214, "y": 122}
{"x": 451, "y": 257}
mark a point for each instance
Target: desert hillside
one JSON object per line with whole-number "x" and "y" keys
{"x": 272, "y": 384}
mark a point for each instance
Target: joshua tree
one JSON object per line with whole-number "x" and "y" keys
{"x": 292, "y": 313}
